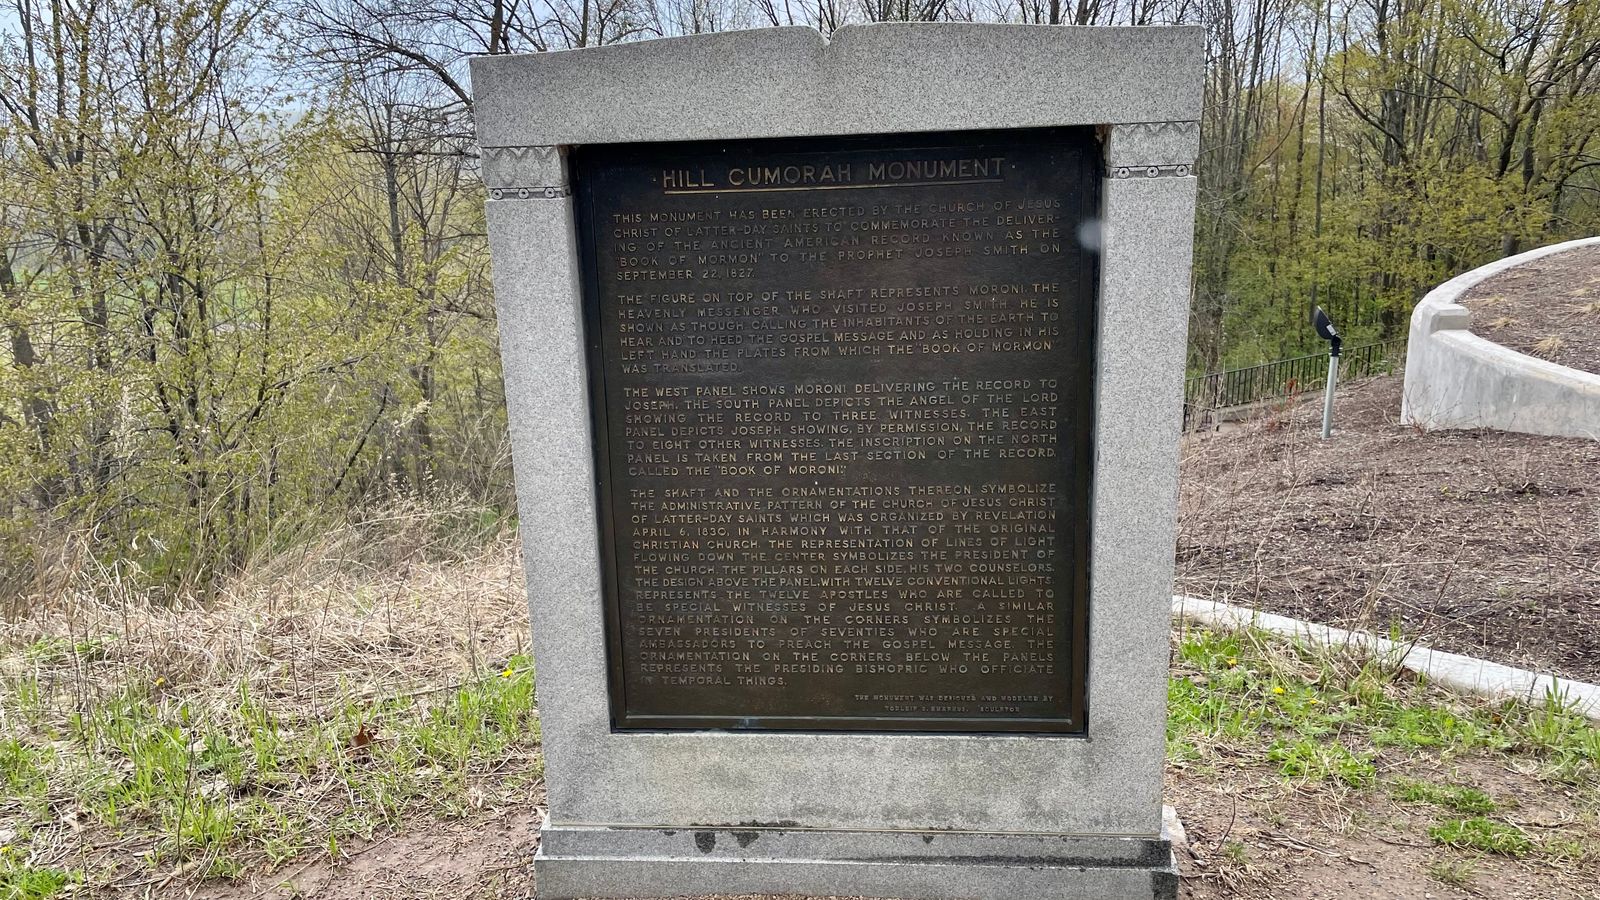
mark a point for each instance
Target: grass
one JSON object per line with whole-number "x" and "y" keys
{"x": 1479, "y": 833}
{"x": 22, "y": 881}
{"x": 1323, "y": 714}
{"x": 1312, "y": 759}
{"x": 205, "y": 787}
{"x": 1455, "y": 798}
{"x": 295, "y": 716}
{"x": 1335, "y": 721}
{"x": 303, "y": 715}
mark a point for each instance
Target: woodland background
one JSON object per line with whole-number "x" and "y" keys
{"x": 243, "y": 270}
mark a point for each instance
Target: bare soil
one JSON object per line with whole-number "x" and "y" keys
{"x": 1480, "y": 542}
{"x": 1253, "y": 836}
{"x": 1476, "y": 542}
{"x": 1549, "y": 308}
{"x": 487, "y": 857}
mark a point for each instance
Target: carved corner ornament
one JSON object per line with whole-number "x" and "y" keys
{"x": 525, "y": 173}
{"x": 1153, "y": 150}
{"x": 1177, "y": 171}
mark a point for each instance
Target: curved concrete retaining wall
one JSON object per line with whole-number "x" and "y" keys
{"x": 1456, "y": 379}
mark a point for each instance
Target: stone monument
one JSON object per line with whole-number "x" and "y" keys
{"x": 845, "y": 379}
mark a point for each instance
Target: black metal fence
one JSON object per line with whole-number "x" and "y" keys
{"x": 1206, "y": 395}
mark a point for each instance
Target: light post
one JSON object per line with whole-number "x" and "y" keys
{"x": 1326, "y": 331}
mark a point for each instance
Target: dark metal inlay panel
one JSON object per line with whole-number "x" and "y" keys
{"x": 842, "y": 401}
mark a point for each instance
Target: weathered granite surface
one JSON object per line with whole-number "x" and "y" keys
{"x": 868, "y": 79}
{"x": 1099, "y": 793}
{"x": 595, "y": 862}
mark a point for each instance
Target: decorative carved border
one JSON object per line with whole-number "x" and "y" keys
{"x": 1153, "y": 149}
{"x": 1152, "y": 171}
{"x": 527, "y": 173}
{"x": 1161, "y": 129}
{"x": 524, "y": 173}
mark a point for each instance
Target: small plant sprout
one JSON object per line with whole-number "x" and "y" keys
{"x": 1456, "y": 871}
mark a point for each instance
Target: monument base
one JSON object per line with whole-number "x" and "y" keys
{"x": 576, "y": 861}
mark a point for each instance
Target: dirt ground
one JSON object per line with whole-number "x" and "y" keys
{"x": 1477, "y": 542}
{"x": 488, "y": 857}
{"x": 1252, "y": 839}
{"x": 1250, "y": 836}
{"x": 1480, "y": 542}
{"x": 1548, "y": 308}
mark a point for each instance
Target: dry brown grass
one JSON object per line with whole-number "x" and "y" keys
{"x": 373, "y": 675}
{"x": 1549, "y": 347}
{"x": 384, "y": 608}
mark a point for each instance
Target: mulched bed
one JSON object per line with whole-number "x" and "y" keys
{"x": 1478, "y": 542}
{"x": 1549, "y": 308}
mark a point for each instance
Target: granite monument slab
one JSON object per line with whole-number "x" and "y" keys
{"x": 845, "y": 382}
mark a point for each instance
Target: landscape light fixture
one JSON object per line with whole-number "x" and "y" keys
{"x": 1326, "y": 331}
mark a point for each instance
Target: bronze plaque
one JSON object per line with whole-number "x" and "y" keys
{"x": 842, "y": 397}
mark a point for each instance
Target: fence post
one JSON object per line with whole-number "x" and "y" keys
{"x": 1206, "y": 394}
{"x": 1327, "y": 395}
